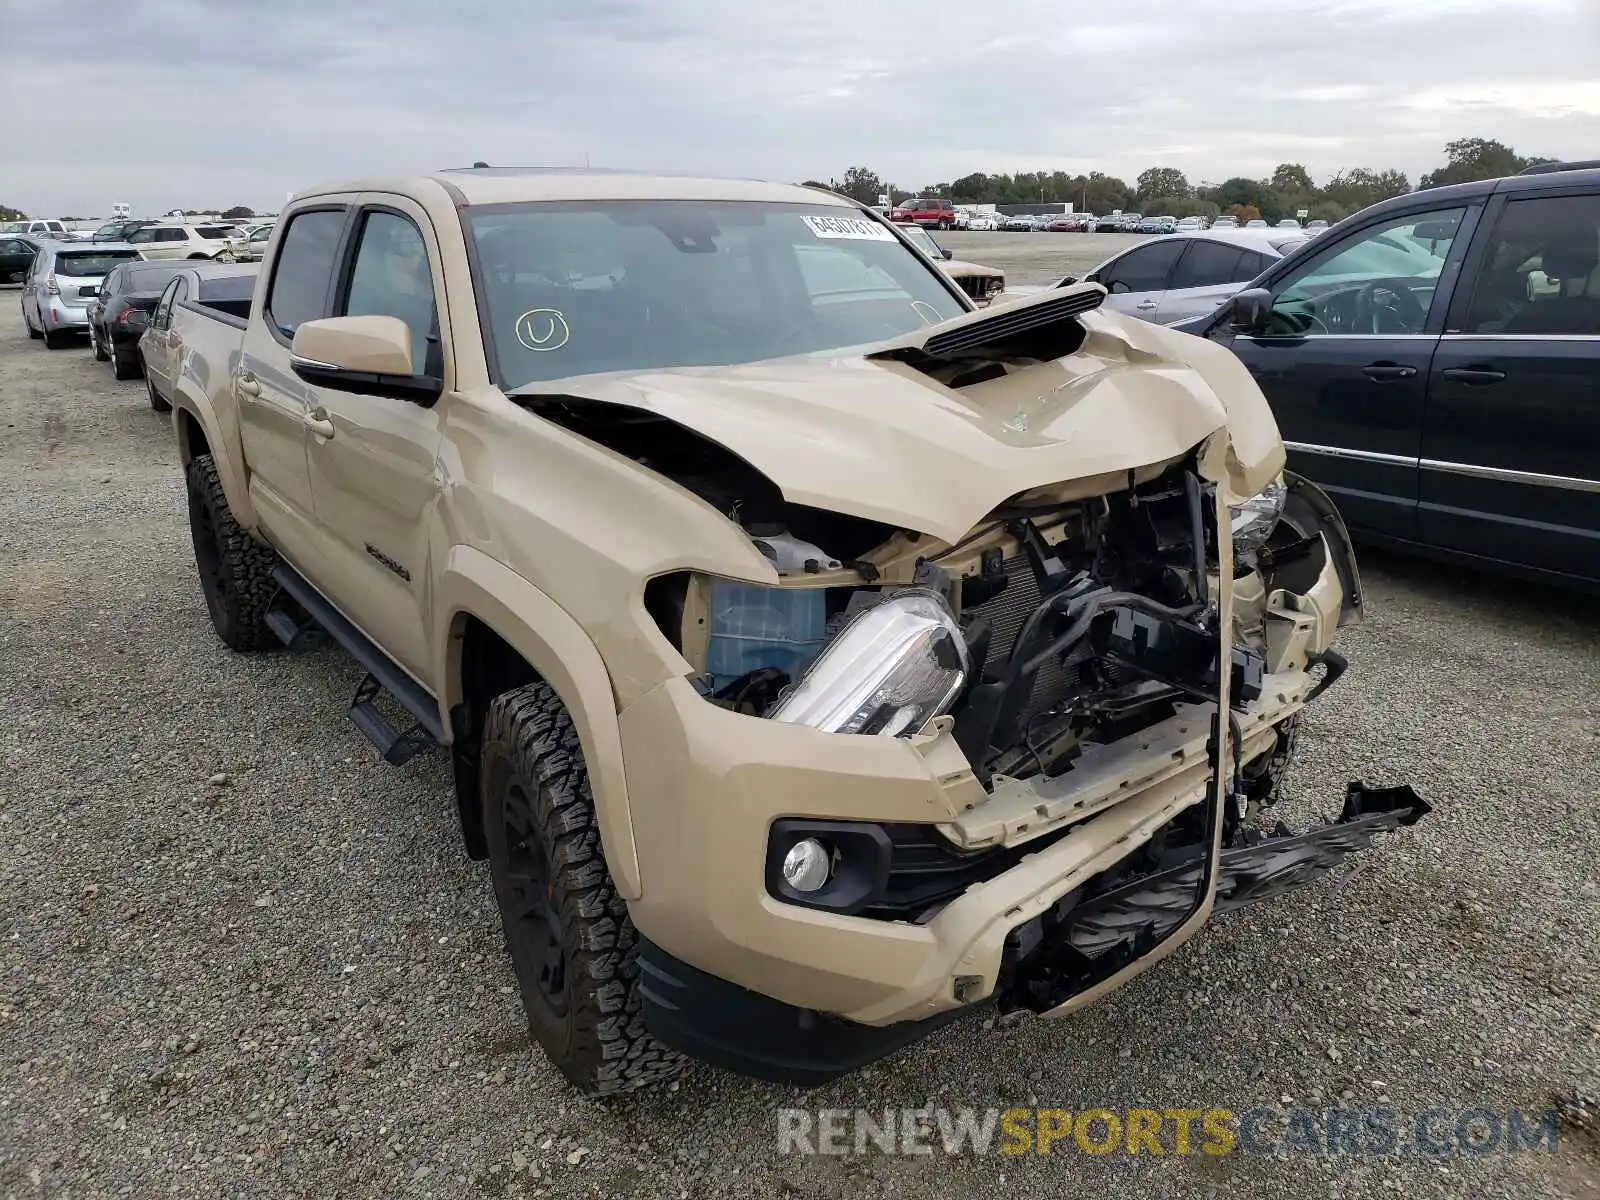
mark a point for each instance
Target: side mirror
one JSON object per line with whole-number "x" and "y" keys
{"x": 1248, "y": 309}
{"x": 1069, "y": 280}
{"x": 1092, "y": 277}
{"x": 137, "y": 319}
{"x": 948, "y": 254}
{"x": 370, "y": 355}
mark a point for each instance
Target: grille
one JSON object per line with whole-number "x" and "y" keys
{"x": 974, "y": 285}
{"x": 1007, "y": 612}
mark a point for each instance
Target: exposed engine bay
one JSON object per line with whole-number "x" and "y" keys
{"x": 1068, "y": 622}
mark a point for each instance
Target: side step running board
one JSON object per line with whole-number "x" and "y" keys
{"x": 383, "y": 674}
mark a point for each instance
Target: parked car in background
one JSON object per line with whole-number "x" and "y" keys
{"x": 1130, "y": 222}
{"x": 249, "y": 246}
{"x": 983, "y": 221}
{"x": 1183, "y": 276}
{"x": 119, "y": 314}
{"x": 1110, "y": 223}
{"x": 1020, "y": 223}
{"x": 1257, "y": 223}
{"x": 1434, "y": 363}
{"x": 1157, "y": 225}
{"x": 931, "y": 213}
{"x": 16, "y": 256}
{"x": 1315, "y": 227}
{"x": 196, "y": 295}
{"x": 118, "y": 231}
{"x": 1066, "y": 223}
{"x": 1288, "y": 223}
{"x": 1191, "y": 224}
{"x": 1225, "y": 221}
{"x": 34, "y": 228}
{"x": 979, "y": 282}
{"x": 62, "y": 281}
{"x": 181, "y": 241}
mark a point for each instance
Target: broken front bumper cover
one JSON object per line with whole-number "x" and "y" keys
{"x": 1085, "y": 940}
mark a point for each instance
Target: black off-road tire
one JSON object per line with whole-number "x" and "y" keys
{"x": 54, "y": 339}
{"x": 572, "y": 944}
{"x": 157, "y": 401}
{"x": 127, "y": 366}
{"x": 235, "y": 569}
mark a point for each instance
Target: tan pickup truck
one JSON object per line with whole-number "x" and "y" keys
{"x": 820, "y": 658}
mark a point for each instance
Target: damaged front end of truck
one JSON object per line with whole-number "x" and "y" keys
{"x": 1052, "y": 556}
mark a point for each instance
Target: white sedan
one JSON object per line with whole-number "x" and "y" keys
{"x": 982, "y": 221}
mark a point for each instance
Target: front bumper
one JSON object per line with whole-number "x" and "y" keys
{"x": 706, "y": 786}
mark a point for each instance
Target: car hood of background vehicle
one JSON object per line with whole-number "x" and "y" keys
{"x": 881, "y": 440}
{"x": 959, "y": 266}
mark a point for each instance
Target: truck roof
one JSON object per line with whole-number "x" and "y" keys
{"x": 513, "y": 185}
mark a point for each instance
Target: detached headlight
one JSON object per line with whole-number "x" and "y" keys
{"x": 1253, "y": 521}
{"x": 890, "y": 671}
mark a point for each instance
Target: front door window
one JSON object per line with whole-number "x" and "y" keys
{"x": 1381, "y": 281}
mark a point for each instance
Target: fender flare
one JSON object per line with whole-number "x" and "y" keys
{"x": 1337, "y": 537}
{"x": 223, "y": 442}
{"x": 556, "y": 646}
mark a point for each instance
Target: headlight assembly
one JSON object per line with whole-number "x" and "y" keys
{"x": 890, "y": 671}
{"x": 1252, "y": 522}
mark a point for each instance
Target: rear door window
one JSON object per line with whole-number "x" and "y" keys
{"x": 303, "y": 271}
{"x": 1142, "y": 270}
{"x": 1542, "y": 273}
{"x": 1211, "y": 264}
{"x": 171, "y": 235}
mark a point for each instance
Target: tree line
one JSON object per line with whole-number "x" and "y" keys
{"x": 1289, "y": 190}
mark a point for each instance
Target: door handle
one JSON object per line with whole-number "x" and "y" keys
{"x": 317, "y": 422}
{"x": 1382, "y": 372}
{"x": 248, "y": 384}
{"x": 1473, "y": 376}
{"x": 1145, "y": 305}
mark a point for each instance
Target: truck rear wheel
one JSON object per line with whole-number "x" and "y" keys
{"x": 235, "y": 569}
{"x": 572, "y": 944}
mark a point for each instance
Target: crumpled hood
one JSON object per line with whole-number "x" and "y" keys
{"x": 880, "y": 440}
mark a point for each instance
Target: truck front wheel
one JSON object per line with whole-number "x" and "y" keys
{"x": 235, "y": 569}
{"x": 572, "y": 944}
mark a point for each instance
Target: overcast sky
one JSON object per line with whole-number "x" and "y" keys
{"x": 183, "y": 103}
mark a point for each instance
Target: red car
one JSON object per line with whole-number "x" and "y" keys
{"x": 931, "y": 213}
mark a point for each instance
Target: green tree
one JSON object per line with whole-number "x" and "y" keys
{"x": 1468, "y": 159}
{"x": 1292, "y": 179}
{"x": 972, "y": 189}
{"x": 1327, "y": 210}
{"x": 238, "y": 213}
{"x": 7, "y": 213}
{"x": 863, "y": 185}
{"x": 1162, "y": 183}
{"x": 1104, "y": 193}
{"x": 1358, "y": 187}
{"x": 1249, "y": 193}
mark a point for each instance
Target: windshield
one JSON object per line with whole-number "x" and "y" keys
{"x": 585, "y": 287}
{"x": 14, "y": 227}
{"x": 88, "y": 266}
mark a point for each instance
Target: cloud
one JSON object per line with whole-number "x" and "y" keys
{"x": 194, "y": 103}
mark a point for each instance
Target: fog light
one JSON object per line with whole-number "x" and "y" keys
{"x": 807, "y": 865}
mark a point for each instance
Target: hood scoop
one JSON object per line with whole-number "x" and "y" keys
{"x": 1035, "y": 330}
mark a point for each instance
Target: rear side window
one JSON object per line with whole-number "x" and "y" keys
{"x": 303, "y": 270}
{"x": 171, "y": 235}
{"x": 1210, "y": 264}
{"x": 214, "y": 233}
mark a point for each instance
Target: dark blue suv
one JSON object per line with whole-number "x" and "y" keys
{"x": 1434, "y": 364}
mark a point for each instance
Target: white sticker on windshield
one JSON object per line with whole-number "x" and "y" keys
{"x": 856, "y": 228}
{"x": 542, "y": 329}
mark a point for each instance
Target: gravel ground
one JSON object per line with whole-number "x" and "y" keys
{"x": 241, "y": 957}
